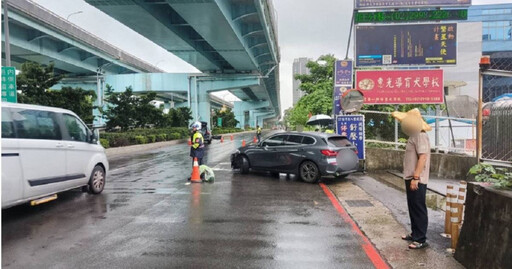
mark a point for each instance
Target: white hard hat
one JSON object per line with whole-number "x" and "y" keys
{"x": 196, "y": 125}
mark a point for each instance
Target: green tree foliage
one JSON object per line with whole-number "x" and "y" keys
{"x": 318, "y": 89}
{"x": 176, "y": 117}
{"x": 77, "y": 100}
{"x": 35, "y": 82}
{"x": 228, "y": 118}
{"x": 125, "y": 110}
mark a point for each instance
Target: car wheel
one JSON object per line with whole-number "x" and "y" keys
{"x": 243, "y": 163}
{"x": 97, "y": 180}
{"x": 275, "y": 174}
{"x": 308, "y": 172}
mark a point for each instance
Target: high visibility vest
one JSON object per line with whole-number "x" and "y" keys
{"x": 197, "y": 140}
{"x": 259, "y": 130}
{"x": 329, "y": 131}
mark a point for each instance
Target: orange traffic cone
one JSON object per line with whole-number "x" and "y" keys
{"x": 222, "y": 139}
{"x": 189, "y": 143}
{"x": 195, "y": 177}
{"x": 232, "y": 138}
{"x": 255, "y": 140}
{"x": 243, "y": 142}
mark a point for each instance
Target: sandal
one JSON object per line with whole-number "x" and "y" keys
{"x": 407, "y": 237}
{"x": 417, "y": 245}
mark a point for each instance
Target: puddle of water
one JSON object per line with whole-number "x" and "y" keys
{"x": 435, "y": 201}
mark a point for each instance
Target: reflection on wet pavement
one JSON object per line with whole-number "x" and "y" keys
{"x": 148, "y": 217}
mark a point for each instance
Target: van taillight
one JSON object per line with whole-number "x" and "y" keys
{"x": 329, "y": 153}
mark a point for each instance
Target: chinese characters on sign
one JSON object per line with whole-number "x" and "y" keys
{"x": 361, "y": 4}
{"x": 410, "y": 44}
{"x": 352, "y": 127}
{"x": 442, "y": 33}
{"x": 343, "y": 73}
{"x": 9, "y": 93}
{"x": 411, "y": 16}
{"x": 401, "y": 86}
{"x": 343, "y": 79}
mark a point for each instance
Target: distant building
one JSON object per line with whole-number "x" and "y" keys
{"x": 299, "y": 68}
{"x": 462, "y": 79}
{"x": 496, "y": 42}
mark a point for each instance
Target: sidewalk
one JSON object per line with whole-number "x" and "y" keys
{"x": 381, "y": 212}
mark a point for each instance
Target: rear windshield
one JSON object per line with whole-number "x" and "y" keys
{"x": 339, "y": 141}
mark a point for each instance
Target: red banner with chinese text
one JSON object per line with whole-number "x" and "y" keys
{"x": 401, "y": 86}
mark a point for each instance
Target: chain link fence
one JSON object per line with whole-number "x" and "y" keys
{"x": 497, "y": 109}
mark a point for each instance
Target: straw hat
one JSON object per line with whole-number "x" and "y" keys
{"x": 412, "y": 120}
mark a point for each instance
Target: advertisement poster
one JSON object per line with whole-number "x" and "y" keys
{"x": 352, "y": 126}
{"x": 407, "y": 44}
{"x": 343, "y": 73}
{"x": 338, "y": 92}
{"x": 401, "y": 86}
{"x": 375, "y": 4}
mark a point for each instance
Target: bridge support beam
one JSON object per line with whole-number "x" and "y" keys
{"x": 193, "y": 88}
{"x": 262, "y": 116}
{"x": 201, "y": 86}
{"x": 243, "y": 108}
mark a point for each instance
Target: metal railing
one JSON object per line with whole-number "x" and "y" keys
{"x": 459, "y": 136}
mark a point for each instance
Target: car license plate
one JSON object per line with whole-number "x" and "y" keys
{"x": 331, "y": 161}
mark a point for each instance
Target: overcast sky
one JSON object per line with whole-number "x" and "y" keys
{"x": 307, "y": 28}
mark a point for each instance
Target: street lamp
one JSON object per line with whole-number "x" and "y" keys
{"x": 74, "y": 13}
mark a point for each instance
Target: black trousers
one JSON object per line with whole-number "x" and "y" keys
{"x": 259, "y": 137}
{"x": 199, "y": 161}
{"x": 417, "y": 211}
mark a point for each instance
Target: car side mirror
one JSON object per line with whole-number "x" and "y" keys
{"x": 93, "y": 139}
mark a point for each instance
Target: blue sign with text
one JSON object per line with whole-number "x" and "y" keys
{"x": 352, "y": 127}
{"x": 343, "y": 73}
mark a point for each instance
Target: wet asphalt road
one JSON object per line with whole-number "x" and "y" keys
{"x": 148, "y": 217}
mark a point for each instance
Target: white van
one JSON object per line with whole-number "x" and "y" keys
{"x": 47, "y": 150}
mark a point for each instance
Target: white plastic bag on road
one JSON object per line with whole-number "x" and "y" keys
{"x": 207, "y": 174}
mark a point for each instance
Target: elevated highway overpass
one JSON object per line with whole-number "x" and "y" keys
{"x": 233, "y": 42}
{"x": 38, "y": 35}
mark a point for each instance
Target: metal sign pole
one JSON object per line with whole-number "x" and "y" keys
{"x": 396, "y": 129}
{"x": 6, "y": 34}
{"x": 438, "y": 113}
{"x": 479, "y": 117}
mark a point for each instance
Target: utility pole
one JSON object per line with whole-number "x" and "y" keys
{"x": 6, "y": 34}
